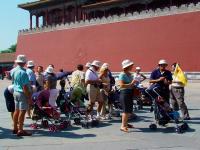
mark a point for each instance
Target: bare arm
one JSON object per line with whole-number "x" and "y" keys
{"x": 144, "y": 77}
{"x": 27, "y": 92}
{"x": 129, "y": 85}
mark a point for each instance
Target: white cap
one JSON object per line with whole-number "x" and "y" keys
{"x": 49, "y": 69}
{"x": 21, "y": 59}
{"x": 138, "y": 68}
{"x": 96, "y": 63}
{"x": 162, "y": 62}
{"x": 88, "y": 64}
{"x": 30, "y": 63}
{"x": 126, "y": 63}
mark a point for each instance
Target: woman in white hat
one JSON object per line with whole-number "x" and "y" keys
{"x": 104, "y": 76}
{"x": 126, "y": 84}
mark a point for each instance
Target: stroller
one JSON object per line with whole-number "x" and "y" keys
{"x": 163, "y": 113}
{"x": 141, "y": 98}
{"x": 49, "y": 116}
{"x": 68, "y": 108}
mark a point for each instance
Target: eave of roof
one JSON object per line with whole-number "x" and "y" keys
{"x": 7, "y": 57}
{"x": 30, "y": 5}
{"x": 101, "y": 3}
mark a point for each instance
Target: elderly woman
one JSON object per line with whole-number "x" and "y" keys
{"x": 126, "y": 84}
{"x": 104, "y": 76}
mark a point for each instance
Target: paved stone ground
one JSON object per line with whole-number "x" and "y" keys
{"x": 107, "y": 136}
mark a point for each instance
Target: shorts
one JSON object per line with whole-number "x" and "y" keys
{"x": 126, "y": 100}
{"x": 21, "y": 101}
{"x": 10, "y": 103}
{"x": 94, "y": 94}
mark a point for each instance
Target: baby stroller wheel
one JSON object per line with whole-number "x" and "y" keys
{"x": 66, "y": 123}
{"x": 153, "y": 126}
{"x": 85, "y": 125}
{"x": 34, "y": 126}
{"x": 45, "y": 123}
{"x": 77, "y": 121}
{"x": 94, "y": 123}
{"x": 53, "y": 128}
{"x": 178, "y": 130}
{"x": 61, "y": 126}
{"x": 184, "y": 126}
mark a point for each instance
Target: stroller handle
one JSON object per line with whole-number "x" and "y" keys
{"x": 154, "y": 90}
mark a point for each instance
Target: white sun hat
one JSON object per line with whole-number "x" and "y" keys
{"x": 21, "y": 59}
{"x": 162, "y": 62}
{"x": 138, "y": 68}
{"x": 88, "y": 64}
{"x": 30, "y": 63}
{"x": 50, "y": 69}
{"x": 96, "y": 63}
{"x": 126, "y": 63}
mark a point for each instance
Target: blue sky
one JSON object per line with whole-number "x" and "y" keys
{"x": 12, "y": 20}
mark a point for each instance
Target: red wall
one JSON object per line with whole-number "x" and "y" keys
{"x": 145, "y": 41}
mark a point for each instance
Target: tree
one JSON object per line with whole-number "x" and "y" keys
{"x": 12, "y": 49}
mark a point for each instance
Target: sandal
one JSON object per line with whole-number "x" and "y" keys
{"x": 130, "y": 126}
{"x": 14, "y": 131}
{"x": 124, "y": 129}
{"x": 23, "y": 133}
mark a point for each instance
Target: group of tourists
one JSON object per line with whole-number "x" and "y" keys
{"x": 94, "y": 83}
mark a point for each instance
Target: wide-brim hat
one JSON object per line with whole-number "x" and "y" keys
{"x": 21, "y": 59}
{"x": 126, "y": 63}
{"x": 137, "y": 68}
{"x": 96, "y": 63}
{"x": 49, "y": 69}
{"x": 162, "y": 62}
{"x": 30, "y": 63}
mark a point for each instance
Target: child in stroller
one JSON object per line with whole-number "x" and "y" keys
{"x": 43, "y": 111}
{"x": 163, "y": 113}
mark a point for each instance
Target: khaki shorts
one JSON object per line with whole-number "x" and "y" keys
{"x": 94, "y": 94}
{"x": 21, "y": 101}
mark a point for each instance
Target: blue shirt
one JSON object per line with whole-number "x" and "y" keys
{"x": 31, "y": 76}
{"x": 156, "y": 74}
{"x": 20, "y": 79}
{"x": 126, "y": 79}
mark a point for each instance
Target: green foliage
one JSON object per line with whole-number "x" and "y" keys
{"x": 12, "y": 49}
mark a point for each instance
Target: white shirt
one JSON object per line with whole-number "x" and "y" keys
{"x": 176, "y": 84}
{"x": 137, "y": 77}
{"x": 91, "y": 74}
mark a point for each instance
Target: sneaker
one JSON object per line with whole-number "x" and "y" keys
{"x": 98, "y": 117}
{"x": 103, "y": 118}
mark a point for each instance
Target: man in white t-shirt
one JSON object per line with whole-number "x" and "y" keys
{"x": 177, "y": 93}
{"x": 93, "y": 82}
